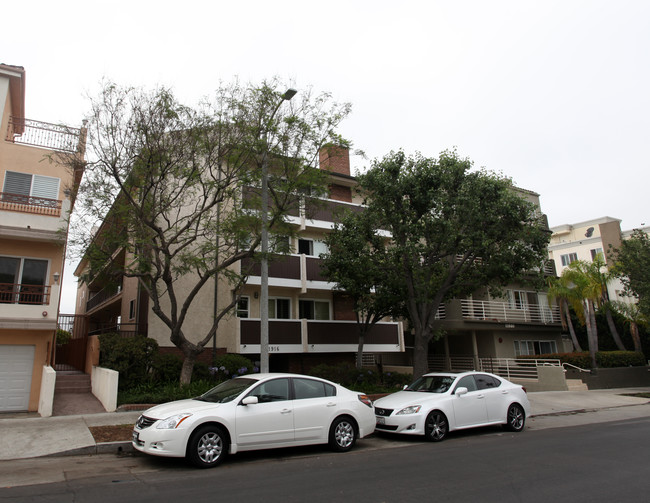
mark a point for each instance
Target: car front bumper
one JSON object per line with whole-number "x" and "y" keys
{"x": 159, "y": 442}
{"x": 408, "y": 424}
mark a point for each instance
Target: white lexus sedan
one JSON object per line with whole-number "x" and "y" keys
{"x": 256, "y": 411}
{"x": 438, "y": 403}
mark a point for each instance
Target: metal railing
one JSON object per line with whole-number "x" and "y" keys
{"x": 516, "y": 368}
{"x": 503, "y": 312}
{"x": 440, "y": 363}
{"x": 43, "y": 134}
{"x": 30, "y": 204}
{"x": 15, "y": 293}
{"x": 102, "y": 296}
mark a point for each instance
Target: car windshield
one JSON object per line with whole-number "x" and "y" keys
{"x": 432, "y": 384}
{"x": 227, "y": 390}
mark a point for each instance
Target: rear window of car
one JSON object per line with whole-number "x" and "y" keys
{"x": 484, "y": 381}
{"x": 310, "y": 388}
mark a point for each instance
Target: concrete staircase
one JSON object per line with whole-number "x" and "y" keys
{"x": 72, "y": 382}
{"x": 576, "y": 385}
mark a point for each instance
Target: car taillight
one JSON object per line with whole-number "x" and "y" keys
{"x": 364, "y": 399}
{"x": 524, "y": 389}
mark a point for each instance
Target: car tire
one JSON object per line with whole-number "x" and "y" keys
{"x": 343, "y": 434}
{"x": 207, "y": 446}
{"x": 515, "y": 418}
{"x": 436, "y": 426}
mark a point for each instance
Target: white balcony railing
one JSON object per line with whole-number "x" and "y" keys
{"x": 484, "y": 310}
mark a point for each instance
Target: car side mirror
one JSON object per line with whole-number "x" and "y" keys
{"x": 250, "y": 400}
{"x": 460, "y": 391}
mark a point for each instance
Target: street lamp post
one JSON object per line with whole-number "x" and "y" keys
{"x": 264, "y": 295}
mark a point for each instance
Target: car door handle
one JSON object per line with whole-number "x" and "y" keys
{"x": 331, "y": 404}
{"x": 285, "y": 411}
{"x": 479, "y": 397}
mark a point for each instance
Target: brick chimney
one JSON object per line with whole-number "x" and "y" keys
{"x": 336, "y": 159}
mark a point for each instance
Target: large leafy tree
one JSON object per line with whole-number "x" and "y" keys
{"x": 453, "y": 229}
{"x": 633, "y": 267}
{"x": 176, "y": 188}
{"x": 357, "y": 261}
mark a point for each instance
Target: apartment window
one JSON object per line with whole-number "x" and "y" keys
{"x": 311, "y": 247}
{"x": 243, "y": 307}
{"x": 132, "y": 309}
{"x": 517, "y": 299}
{"x": 22, "y": 280}
{"x": 280, "y": 309}
{"x": 25, "y": 184}
{"x": 314, "y": 309}
{"x": 523, "y": 348}
{"x": 595, "y": 252}
{"x": 568, "y": 258}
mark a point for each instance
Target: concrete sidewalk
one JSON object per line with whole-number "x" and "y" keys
{"x": 26, "y": 436}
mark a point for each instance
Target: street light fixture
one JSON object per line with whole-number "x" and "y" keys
{"x": 264, "y": 286}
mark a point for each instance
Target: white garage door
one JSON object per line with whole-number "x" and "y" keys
{"x": 16, "y": 363}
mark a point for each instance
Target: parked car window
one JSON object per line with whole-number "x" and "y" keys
{"x": 310, "y": 388}
{"x": 484, "y": 381}
{"x": 467, "y": 382}
{"x": 432, "y": 384}
{"x": 227, "y": 390}
{"x": 272, "y": 391}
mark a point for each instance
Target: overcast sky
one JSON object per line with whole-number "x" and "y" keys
{"x": 554, "y": 94}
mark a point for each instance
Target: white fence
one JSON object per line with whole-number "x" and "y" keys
{"x": 501, "y": 311}
{"x": 516, "y": 368}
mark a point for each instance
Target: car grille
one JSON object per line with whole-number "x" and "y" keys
{"x": 383, "y": 412}
{"x": 144, "y": 422}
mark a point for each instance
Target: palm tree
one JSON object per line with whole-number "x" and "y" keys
{"x": 587, "y": 294}
{"x": 601, "y": 274}
{"x": 559, "y": 290}
{"x": 635, "y": 318}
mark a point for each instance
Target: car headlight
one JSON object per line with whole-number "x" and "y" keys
{"x": 413, "y": 409}
{"x": 172, "y": 422}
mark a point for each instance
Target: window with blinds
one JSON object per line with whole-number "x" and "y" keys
{"x": 25, "y": 184}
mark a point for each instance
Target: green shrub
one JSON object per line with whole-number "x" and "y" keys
{"x": 132, "y": 357}
{"x": 365, "y": 380}
{"x": 604, "y": 359}
{"x": 610, "y": 359}
{"x": 166, "y": 368}
{"x": 62, "y": 337}
{"x": 152, "y": 393}
{"x": 231, "y": 365}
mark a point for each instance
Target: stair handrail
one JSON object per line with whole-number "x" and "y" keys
{"x": 575, "y": 367}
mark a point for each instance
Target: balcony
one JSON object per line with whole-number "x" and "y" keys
{"x": 30, "y": 204}
{"x": 483, "y": 310}
{"x": 319, "y": 336}
{"x": 45, "y": 135}
{"x": 102, "y": 296}
{"x": 13, "y": 293}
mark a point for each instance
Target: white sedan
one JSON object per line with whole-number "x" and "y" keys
{"x": 256, "y": 411}
{"x": 438, "y": 403}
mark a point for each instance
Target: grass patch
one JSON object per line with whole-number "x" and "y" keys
{"x": 639, "y": 395}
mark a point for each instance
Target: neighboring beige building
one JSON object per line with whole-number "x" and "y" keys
{"x": 583, "y": 241}
{"x": 35, "y": 200}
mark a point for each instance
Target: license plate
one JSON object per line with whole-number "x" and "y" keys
{"x": 136, "y": 436}
{"x": 381, "y": 420}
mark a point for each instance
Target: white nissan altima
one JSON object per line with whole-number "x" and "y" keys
{"x": 256, "y": 411}
{"x": 438, "y": 403}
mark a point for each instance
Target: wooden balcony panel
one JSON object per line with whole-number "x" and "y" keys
{"x": 287, "y": 267}
{"x": 280, "y": 331}
{"x": 324, "y": 332}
